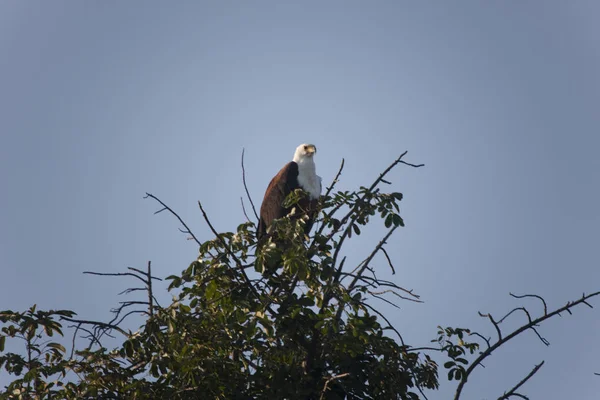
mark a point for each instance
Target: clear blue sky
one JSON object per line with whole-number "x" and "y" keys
{"x": 103, "y": 101}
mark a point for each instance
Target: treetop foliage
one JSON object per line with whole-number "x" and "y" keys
{"x": 293, "y": 320}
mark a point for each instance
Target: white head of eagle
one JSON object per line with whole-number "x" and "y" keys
{"x": 300, "y": 173}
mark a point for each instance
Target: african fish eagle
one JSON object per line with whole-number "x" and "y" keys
{"x": 300, "y": 173}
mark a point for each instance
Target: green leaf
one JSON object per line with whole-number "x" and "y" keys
{"x": 397, "y": 195}
{"x": 458, "y": 374}
{"x": 56, "y": 346}
{"x": 128, "y": 348}
{"x": 398, "y": 221}
{"x": 388, "y": 220}
{"x": 211, "y": 289}
{"x": 2, "y": 343}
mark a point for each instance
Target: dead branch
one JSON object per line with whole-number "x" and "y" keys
{"x": 389, "y": 260}
{"x": 165, "y": 207}
{"x": 486, "y": 340}
{"x": 518, "y": 331}
{"x": 390, "y": 326}
{"x": 246, "y": 189}
{"x": 354, "y": 214}
{"x": 513, "y": 391}
{"x": 517, "y": 309}
{"x": 331, "y": 380}
{"x": 244, "y": 210}
{"x": 103, "y": 325}
{"x": 361, "y": 267}
{"x": 532, "y": 295}
{"x": 150, "y": 294}
{"x": 489, "y": 316}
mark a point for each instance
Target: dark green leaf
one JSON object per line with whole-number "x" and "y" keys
{"x": 449, "y": 364}
{"x": 388, "y": 220}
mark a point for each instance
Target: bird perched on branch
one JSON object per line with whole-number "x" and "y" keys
{"x": 300, "y": 173}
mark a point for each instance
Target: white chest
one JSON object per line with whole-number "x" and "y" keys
{"x": 311, "y": 183}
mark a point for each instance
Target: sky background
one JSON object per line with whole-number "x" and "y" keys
{"x": 101, "y": 102}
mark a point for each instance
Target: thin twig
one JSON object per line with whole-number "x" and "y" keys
{"x": 517, "y": 309}
{"x": 513, "y": 391}
{"x": 366, "y": 262}
{"x": 115, "y": 274}
{"x": 532, "y": 295}
{"x": 390, "y": 326}
{"x": 96, "y": 324}
{"x": 329, "y": 189}
{"x": 389, "y": 260}
{"x": 150, "y": 296}
{"x": 487, "y": 340}
{"x": 246, "y": 188}
{"x": 165, "y": 207}
{"x": 244, "y": 209}
{"x": 489, "y": 316}
{"x": 330, "y": 380}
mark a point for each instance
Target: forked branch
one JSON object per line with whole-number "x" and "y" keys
{"x": 167, "y": 208}
{"x": 503, "y": 339}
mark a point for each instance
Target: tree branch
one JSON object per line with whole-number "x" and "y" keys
{"x": 330, "y": 380}
{"x": 532, "y": 295}
{"x": 513, "y": 391}
{"x": 231, "y": 254}
{"x": 246, "y": 189}
{"x": 165, "y": 207}
{"x": 532, "y": 324}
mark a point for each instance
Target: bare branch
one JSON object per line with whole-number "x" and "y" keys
{"x": 145, "y": 273}
{"x": 330, "y": 380}
{"x": 532, "y": 324}
{"x": 336, "y": 179}
{"x": 246, "y": 189}
{"x": 489, "y": 316}
{"x": 393, "y": 292}
{"x": 244, "y": 210}
{"x": 487, "y": 341}
{"x": 380, "y": 297}
{"x": 513, "y": 391}
{"x": 115, "y": 274}
{"x": 546, "y": 342}
{"x": 517, "y": 309}
{"x": 532, "y": 295}
{"x": 366, "y": 262}
{"x": 327, "y": 192}
{"x": 390, "y": 326}
{"x": 353, "y": 215}
{"x": 165, "y": 207}
{"x": 96, "y": 324}
{"x": 382, "y": 282}
{"x": 150, "y": 295}
{"x": 389, "y": 260}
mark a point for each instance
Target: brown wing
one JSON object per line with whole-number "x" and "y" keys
{"x": 281, "y": 185}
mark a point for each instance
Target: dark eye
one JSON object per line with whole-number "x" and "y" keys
{"x": 305, "y": 147}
